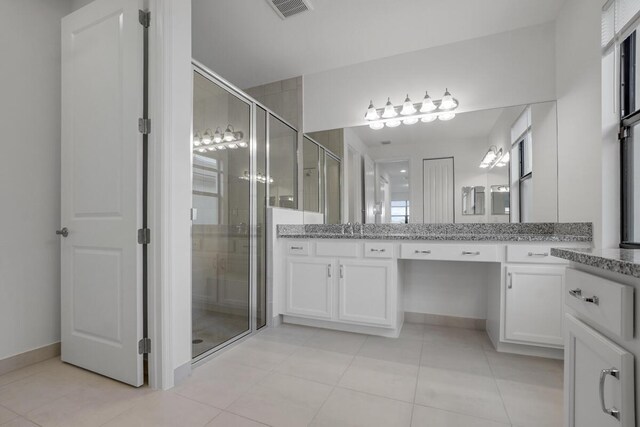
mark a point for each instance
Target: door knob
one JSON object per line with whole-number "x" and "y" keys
{"x": 64, "y": 232}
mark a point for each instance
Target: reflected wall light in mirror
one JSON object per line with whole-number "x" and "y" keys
{"x": 212, "y": 141}
{"x": 494, "y": 157}
{"x": 426, "y": 111}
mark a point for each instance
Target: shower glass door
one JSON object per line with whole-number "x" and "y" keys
{"x": 221, "y": 219}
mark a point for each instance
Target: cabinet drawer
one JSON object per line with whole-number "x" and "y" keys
{"x": 298, "y": 248}
{"x": 459, "y": 252}
{"x": 337, "y": 249}
{"x": 532, "y": 254}
{"x": 604, "y": 302}
{"x": 378, "y": 250}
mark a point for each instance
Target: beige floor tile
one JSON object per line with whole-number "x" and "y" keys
{"x": 382, "y": 378}
{"x": 456, "y": 358}
{"x": 92, "y": 405}
{"x": 474, "y": 395}
{"x": 261, "y": 354}
{"x": 352, "y": 408}
{"x": 336, "y": 341}
{"x": 432, "y": 417}
{"x": 525, "y": 369}
{"x": 532, "y": 405}
{"x": 165, "y": 409}
{"x": 20, "y": 422}
{"x": 281, "y": 400}
{"x": 412, "y": 331}
{"x": 317, "y": 365}
{"x": 290, "y": 334}
{"x": 454, "y": 336}
{"x": 227, "y": 419}
{"x": 35, "y": 391}
{"x": 219, "y": 382}
{"x": 6, "y": 415}
{"x": 392, "y": 350}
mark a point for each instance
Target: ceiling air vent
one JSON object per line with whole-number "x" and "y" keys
{"x": 288, "y": 8}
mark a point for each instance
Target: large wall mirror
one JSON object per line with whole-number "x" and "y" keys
{"x": 496, "y": 165}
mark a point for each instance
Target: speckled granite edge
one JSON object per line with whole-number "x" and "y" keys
{"x": 623, "y": 261}
{"x": 543, "y": 232}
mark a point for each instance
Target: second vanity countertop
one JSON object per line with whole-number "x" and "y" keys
{"x": 509, "y": 232}
{"x": 623, "y": 261}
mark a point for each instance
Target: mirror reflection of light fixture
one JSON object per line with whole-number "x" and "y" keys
{"x": 207, "y": 139}
{"x": 228, "y": 134}
{"x": 426, "y": 111}
{"x": 502, "y": 162}
{"x": 492, "y": 157}
{"x": 197, "y": 139}
{"x": 389, "y": 110}
{"x": 217, "y": 136}
{"x": 259, "y": 177}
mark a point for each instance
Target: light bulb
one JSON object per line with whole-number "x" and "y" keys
{"x": 217, "y": 136}
{"x": 242, "y": 144}
{"x": 448, "y": 103}
{"x": 228, "y": 134}
{"x": 212, "y": 148}
{"x": 429, "y": 118}
{"x": 196, "y": 140}
{"x": 221, "y": 147}
{"x": 410, "y": 121}
{"x": 202, "y": 150}
{"x": 427, "y": 104}
{"x": 408, "y": 108}
{"x": 376, "y": 125}
{"x": 389, "y": 110}
{"x": 372, "y": 113}
{"x": 484, "y": 165}
{"x": 446, "y": 116}
{"x": 393, "y": 123}
{"x": 206, "y": 138}
{"x": 232, "y": 146}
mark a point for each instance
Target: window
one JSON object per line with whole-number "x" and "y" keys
{"x": 629, "y": 147}
{"x": 400, "y": 212}
{"x": 526, "y": 175}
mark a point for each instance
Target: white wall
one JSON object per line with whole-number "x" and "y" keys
{"x": 77, "y": 4}
{"x": 578, "y": 74}
{"x": 30, "y": 173}
{"x": 354, "y": 151}
{"x": 513, "y": 68}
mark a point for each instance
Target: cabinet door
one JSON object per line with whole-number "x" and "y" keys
{"x": 367, "y": 292}
{"x": 599, "y": 379}
{"x": 533, "y": 305}
{"x": 309, "y": 290}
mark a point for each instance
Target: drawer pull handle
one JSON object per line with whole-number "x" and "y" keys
{"x": 377, "y": 250}
{"x": 577, "y": 293}
{"x": 329, "y": 271}
{"x": 422, "y": 252}
{"x": 603, "y": 377}
{"x": 341, "y": 272}
{"x": 539, "y": 254}
{"x": 296, "y": 248}
{"x": 470, "y": 253}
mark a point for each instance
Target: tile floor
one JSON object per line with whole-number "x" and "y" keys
{"x": 297, "y": 376}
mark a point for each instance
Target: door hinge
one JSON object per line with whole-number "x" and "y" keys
{"x": 144, "y": 236}
{"x": 144, "y": 16}
{"x": 144, "y": 126}
{"x": 144, "y": 346}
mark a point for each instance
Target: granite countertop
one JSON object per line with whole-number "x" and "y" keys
{"x": 623, "y": 261}
{"x": 504, "y": 232}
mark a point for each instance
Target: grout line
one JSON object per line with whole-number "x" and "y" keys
{"x": 415, "y": 390}
{"x": 493, "y": 376}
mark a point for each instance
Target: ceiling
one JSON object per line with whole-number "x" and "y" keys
{"x": 475, "y": 124}
{"x": 248, "y": 44}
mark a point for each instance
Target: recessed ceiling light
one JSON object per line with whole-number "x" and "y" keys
{"x": 403, "y": 171}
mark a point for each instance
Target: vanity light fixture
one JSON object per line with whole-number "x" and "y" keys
{"x": 213, "y": 141}
{"x": 426, "y": 111}
{"x": 389, "y": 110}
{"x": 259, "y": 177}
{"x": 494, "y": 157}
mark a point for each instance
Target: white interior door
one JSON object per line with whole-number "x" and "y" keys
{"x": 438, "y": 190}
{"x": 101, "y": 205}
{"x": 369, "y": 190}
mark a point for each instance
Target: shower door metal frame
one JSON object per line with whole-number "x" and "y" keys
{"x": 214, "y": 78}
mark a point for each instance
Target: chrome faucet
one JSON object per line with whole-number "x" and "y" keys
{"x": 347, "y": 227}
